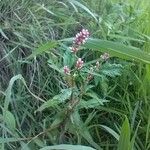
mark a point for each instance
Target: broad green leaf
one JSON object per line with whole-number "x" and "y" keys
{"x": 67, "y": 147}
{"x": 124, "y": 139}
{"x": 43, "y": 48}
{"x": 118, "y": 49}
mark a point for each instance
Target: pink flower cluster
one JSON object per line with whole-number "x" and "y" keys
{"x": 79, "y": 63}
{"x": 81, "y": 37}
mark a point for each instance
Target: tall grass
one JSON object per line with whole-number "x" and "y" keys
{"x": 31, "y": 34}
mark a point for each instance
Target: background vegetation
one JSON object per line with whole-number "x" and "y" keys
{"x": 34, "y": 37}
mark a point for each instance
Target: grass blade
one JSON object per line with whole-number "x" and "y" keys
{"x": 124, "y": 140}
{"x": 83, "y": 7}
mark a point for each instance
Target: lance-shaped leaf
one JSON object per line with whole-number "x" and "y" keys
{"x": 118, "y": 50}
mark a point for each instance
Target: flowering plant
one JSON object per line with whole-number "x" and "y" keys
{"x": 79, "y": 67}
{"x": 80, "y": 79}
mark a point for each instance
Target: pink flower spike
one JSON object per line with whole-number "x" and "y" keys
{"x": 81, "y": 37}
{"x": 66, "y": 70}
{"x": 105, "y": 56}
{"x": 79, "y": 63}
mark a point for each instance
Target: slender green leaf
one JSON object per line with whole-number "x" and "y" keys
{"x": 43, "y": 48}
{"x": 9, "y": 119}
{"x": 134, "y": 136}
{"x": 118, "y": 49}
{"x": 95, "y": 96}
{"x": 8, "y": 92}
{"x": 75, "y": 2}
{"x": 67, "y": 147}
{"x": 92, "y": 103}
{"x": 8, "y": 140}
{"x": 83, "y": 130}
{"x": 3, "y": 34}
{"x": 111, "y": 131}
{"x": 124, "y": 140}
{"x": 44, "y": 8}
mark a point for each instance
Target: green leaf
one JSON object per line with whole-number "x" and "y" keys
{"x": 9, "y": 119}
{"x": 118, "y": 49}
{"x": 134, "y": 136}
{"x": 126, "y": 38}
{"x": 68, "y": 59}
{"x": 67, "y": 147}
{"x": 43, "y": 48}
{"x": 64, "y": 95}
{"x": 44, "y": 8}
{"x": 8, "y": 91}
{"x": 92, "y": 103}
{"x": 124, "y": 140}
{"x": 49, "y": 103}
{"x": 59, "y": 117}
{"x": 111, "y": 70}
{"x": 9, "y": 140}
{"x": 94, "y": 96}
{"x": 111, "y": 131}
{"x": 83, "y": 130}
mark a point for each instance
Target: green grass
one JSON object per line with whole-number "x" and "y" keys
{"x": 34, "y": 40}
